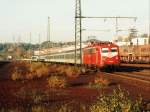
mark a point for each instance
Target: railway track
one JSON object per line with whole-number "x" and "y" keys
{"x": 136, "y": 65}
{"x": 136, "y": 76}
{"x": 138, "y": 80}
{"x": 142, "y": 72}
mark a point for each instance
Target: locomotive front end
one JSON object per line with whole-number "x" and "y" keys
{"x": 110, "y": 56}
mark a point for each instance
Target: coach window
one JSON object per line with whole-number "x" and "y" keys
{"x": 66, "y": 56}
{"x": 73, "y": 56}
{"x": 78, "y": 56}
{"x": 59, "y": 56}
{"x": 70, "y": 56}
{"x": 63, "y": 56}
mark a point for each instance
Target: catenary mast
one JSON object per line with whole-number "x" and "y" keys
{"x": 78, "y": 30}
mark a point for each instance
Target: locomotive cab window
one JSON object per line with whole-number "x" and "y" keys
{"x": 113, "y": 49}
{"x": 104, "y": 50}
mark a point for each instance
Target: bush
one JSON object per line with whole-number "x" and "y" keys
{"x": 117, "y": 102}
{"x": 38, "y": 70}
{"x": 56, "y": 82}
{"x": 42, "y": 71}
{"x": 16, "y": 76}
{"x": 20, "y": 72}
{"x": 61, "y": 69}
{"x": 73, "y": 106}
{"x": 72, "y": 71}
{"x": 99, "y": 82}
{"x": 35, "y": 95}
{"x": 38, "y": 108}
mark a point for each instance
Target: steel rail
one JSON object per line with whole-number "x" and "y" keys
{"x": 131, "y": 77}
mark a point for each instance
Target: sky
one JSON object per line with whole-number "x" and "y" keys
{"x": 20, "y": 17}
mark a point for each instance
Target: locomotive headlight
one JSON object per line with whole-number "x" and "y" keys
{"x": 104, "y": 58}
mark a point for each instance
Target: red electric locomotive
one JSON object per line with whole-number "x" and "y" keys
{"x": 101, "y": 54}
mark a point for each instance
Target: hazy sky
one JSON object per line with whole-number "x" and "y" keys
{"x": 20, "y": 17}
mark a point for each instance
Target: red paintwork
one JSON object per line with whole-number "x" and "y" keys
{"x": 96, "y": 58}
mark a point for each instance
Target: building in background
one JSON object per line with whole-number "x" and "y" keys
{"x": 140, "y": 40}
{"x": 133, "y": 40}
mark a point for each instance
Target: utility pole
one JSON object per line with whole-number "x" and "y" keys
{"x": 39, "y": 44}
{"x": 48, "y": 31}
{"x": 78, "y": 30}
{"x": 14, "y": 45}
{"x": 14, "y": 41}
{"x": 30, "y": 45}
{"x": 19, "y": 38}
{"x": 149, "y": 22}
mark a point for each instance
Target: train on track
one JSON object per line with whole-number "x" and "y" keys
{"x": 99, "y": 54}
{"x": 138, "y": 54}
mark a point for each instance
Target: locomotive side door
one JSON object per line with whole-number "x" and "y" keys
{"x": 97, "y": 56}
{"x": 93, "y": 56}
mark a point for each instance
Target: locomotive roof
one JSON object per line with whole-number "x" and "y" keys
{"x": 101, "y": 44}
